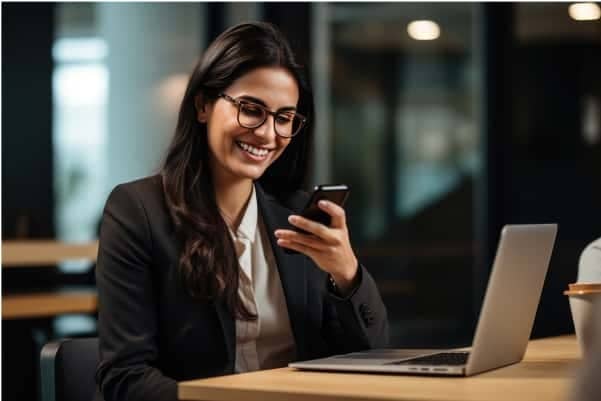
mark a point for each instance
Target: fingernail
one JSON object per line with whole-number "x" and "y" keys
{"x": 291, "y": 219}
{"x": 323, "y": 203}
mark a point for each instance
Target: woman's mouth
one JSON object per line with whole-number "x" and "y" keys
{"x": 254, "y": 152}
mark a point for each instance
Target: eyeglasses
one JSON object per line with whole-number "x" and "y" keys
{"x": 252, "y": 115}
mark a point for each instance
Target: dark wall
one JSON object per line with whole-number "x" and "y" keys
{"x": 538, "y": 166}
{"x": 293, "y": 19}
{"x": 27, "y": 197}
{"x": 553, "y": 173}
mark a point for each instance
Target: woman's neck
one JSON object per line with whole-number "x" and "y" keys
{"x": 231, "y": 198}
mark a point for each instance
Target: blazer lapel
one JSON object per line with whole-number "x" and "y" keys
{"x": 291, "y": 267}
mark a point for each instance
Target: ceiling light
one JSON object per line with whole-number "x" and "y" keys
{"x": 584, "y": 11}
{"x": 423, "y": 30}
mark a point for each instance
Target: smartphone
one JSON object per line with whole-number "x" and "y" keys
{"x": 333, "y": 193}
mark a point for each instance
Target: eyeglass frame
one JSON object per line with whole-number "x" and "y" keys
{"x": 239, "y": 103}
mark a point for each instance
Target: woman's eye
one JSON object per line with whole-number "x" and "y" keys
{"x": 284, "y": 118}
{"x": 251, "y": 110}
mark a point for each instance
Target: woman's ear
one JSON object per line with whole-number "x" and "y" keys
{"x": 202, "y": 109}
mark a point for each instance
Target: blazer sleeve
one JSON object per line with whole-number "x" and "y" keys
{"x": 127, "y": 323}
{"x": 357, "y": 322}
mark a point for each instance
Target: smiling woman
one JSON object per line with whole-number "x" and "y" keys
{"x": 192, "y": 277}
{"x": 242, "y": 144}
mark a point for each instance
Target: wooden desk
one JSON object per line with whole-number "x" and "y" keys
{"x": 45, "y": 252}
{"x": 27, "y": 253}
{"x": 35, "y": 305}
{"x": 545, "y": 374}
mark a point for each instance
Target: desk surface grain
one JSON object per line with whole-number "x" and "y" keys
{"x": 36, "y": 305}
{"x": 545, "y": 374}
{"x": 45, "y": 252}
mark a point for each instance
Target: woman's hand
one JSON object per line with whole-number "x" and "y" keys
{"x": 329, "y": 247}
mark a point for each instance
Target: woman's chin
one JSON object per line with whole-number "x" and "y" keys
{"x": 250, "y": 172}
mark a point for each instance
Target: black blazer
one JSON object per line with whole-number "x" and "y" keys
{"x": 152, "y": 334}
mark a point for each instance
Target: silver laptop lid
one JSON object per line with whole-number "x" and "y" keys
{"x": 512, "y": 296}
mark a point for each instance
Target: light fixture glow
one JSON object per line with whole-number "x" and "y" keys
{"x": 584, "y": 11}
{"x": 423, "y": 30}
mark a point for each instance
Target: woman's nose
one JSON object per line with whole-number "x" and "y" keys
{"x": 267, "y": 129}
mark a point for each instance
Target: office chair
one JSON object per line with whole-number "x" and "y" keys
{"x": 67, "y": 369}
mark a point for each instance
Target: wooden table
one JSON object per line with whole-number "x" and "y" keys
{"x": 28, "y": 253}
{"x": 48, "y": 304}
{"x": 25, "y": 253}
{"x": 545, "y": 374}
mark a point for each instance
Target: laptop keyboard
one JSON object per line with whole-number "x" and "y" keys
{"x": 443, "y": 358}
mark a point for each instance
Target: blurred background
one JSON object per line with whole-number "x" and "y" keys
{"x": 448, "y": 120}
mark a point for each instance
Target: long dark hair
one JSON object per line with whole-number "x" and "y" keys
{"x": 208, "y": 265}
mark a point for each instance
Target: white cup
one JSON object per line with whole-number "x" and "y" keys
{"x": 582, "y": 298}
{"x": 589, "y": 264}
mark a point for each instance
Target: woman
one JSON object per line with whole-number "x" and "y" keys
{"x": 192, "y": 278}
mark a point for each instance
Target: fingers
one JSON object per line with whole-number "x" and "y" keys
{"x": 328, "y": 247}
{"x": 309, "y": 226}
{"x": 297, "y": 247}
{"x": 336, "y": 212}
{"x": 309, "y": 241}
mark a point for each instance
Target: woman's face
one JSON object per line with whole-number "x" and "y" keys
{"x": 241, "y": 153}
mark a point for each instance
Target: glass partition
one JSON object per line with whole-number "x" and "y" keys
{"x": 398, "y": 88}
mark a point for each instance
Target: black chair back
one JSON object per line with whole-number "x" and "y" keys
{"x": 68, "y": 368}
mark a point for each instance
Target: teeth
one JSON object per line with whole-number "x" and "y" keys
{"x": 252, "y": 149}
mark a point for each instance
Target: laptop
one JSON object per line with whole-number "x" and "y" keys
{"x": 504, "y": 326}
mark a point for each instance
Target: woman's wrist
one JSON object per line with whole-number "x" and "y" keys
{"x": 344, "y": 283}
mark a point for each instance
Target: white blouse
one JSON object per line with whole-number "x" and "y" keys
{"x": 267, "y": 342}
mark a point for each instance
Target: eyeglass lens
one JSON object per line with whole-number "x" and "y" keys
{"x": 252, "y": 116}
